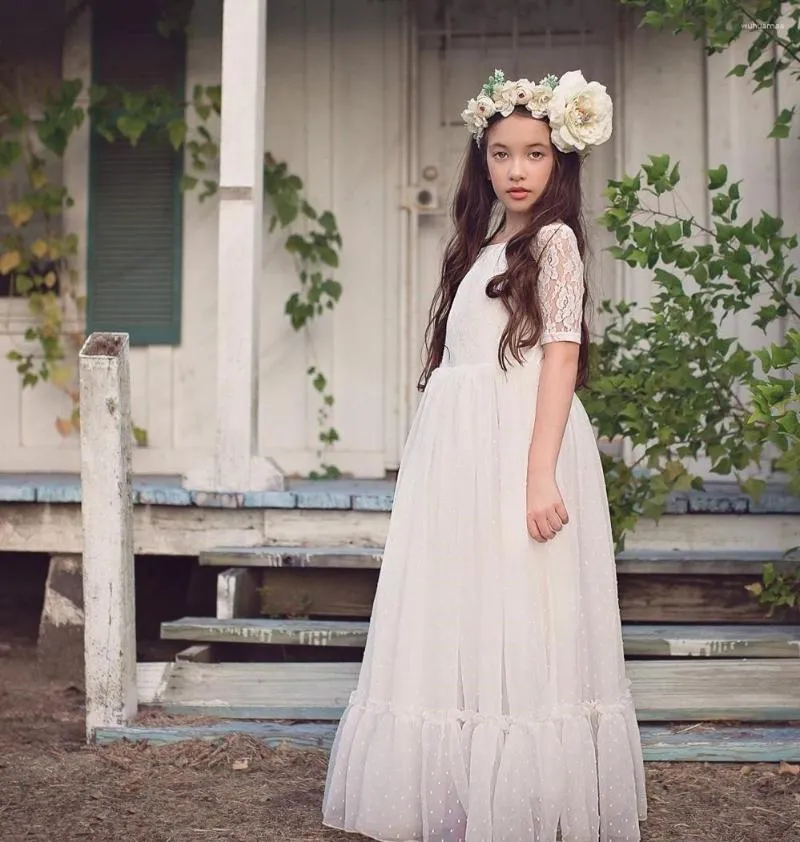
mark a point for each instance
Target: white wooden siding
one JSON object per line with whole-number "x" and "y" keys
{"x": 335, "y": 113}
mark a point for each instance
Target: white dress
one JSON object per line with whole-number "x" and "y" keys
{"x": 492, "y": 703}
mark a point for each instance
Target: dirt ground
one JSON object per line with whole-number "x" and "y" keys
{"x": 54, "y": 788}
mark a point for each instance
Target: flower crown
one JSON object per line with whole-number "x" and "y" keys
{"x": 579, "y": 112}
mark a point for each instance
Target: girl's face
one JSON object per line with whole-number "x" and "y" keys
{"x": 520, "y": 158}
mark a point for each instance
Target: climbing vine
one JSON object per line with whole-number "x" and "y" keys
{"x": 39, "y": 265}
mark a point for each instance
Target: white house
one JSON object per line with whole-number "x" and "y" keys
{"x": 362, "y": 99}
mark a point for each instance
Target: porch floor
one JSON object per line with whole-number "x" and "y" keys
{"x": 364, "y": 494}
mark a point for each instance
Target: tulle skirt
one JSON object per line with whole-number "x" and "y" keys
{"x": 492, "y": 703}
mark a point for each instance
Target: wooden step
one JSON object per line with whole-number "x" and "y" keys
{"x": 296, "y": 632}
{"x": 699, "y": 562}
{"x": 288, "y": 556}
{"x": 732, "y": 562}
{"x": 711, "y": 641}
{"x": 639, "y": 640}
{"x": 665, "y": 690}
{"x": 703, "y": 742}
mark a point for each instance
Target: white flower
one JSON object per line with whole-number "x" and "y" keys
{"x": 539, "y": 104}
{"x": 580, "y": 113}
{"x": 479, "y": 110}
{"x": 508, "y": 95}
{"x": 477, "y": 113}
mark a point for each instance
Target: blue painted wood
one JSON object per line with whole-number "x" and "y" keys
{"x": 354, "y": 493}
{"x": 269, "y": 500}
{"x": 299, "y": 735}
{"x": 704, "y": 743}
{"x": 217, "y": 500}
{"x": 17, "y": 492}
{"x": 148, "y": 494}
{"x": 373, "y": 502}
{"x": 59, "y": 493}
{"x": 324, "y": 500}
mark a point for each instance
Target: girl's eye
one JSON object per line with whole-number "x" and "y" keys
{"x": 537, "y": 153}
{"x": 498, "y": 154}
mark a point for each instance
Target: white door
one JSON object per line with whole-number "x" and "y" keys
{"x": 457, "y": 47}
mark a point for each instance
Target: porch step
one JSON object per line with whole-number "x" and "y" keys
{"x": 701, "y": 742}
{"x": 664, "y": 690}
{"x": 658, "y": 562}
{"x": 299, "y": 632}
{"x": 728, "y": 641}
{"x": 293, "y": 556}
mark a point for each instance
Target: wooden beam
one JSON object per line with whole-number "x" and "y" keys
{"x": 702, "y": 742}
{"x": 294, "y": 556}
{"x": 200, "y": 653}
{"x": 674, "y": 690}
{"x": 258, "y": 631}
{"x": 724, "y": 562}
{"x": 237, "y": 594}
{"x": 237, "y": 466}
{"x": 107, "y": 512}
{"x": 698, "y": 641}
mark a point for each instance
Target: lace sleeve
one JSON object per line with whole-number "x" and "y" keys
{"x": 561, "y": 286}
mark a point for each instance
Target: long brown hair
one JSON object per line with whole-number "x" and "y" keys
{"x": 517, "y": 287}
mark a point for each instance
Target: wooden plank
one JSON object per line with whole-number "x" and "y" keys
{"x": 643, "y": 599}
{"x": 773, "y": 641}
{"x": 698, "y": 641}
{"x": 675, "y": 598}
{"x": 200, "y": 653}
{"x": 253, "y": 691}
{"x": 107, "y": 511}
{"x": 726, "y": 689}
{"x": 642, "y": 562}
{"x": 294, "y": 556}
{"x": 704, "y": 742}
{"x": 151, "y": 680}
{"x": 720, "y": 743}
{"x": 301, "y": 735}
{"x": 723, "y": 562}
{"x": 237, "y": 594}
{"x": 675, "y": 690}
{"x": 292, "y": 632}
{"x": 326, "y": 592}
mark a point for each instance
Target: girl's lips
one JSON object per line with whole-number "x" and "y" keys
{"x": 518, "y": 194}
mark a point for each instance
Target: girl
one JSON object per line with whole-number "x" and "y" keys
{"x": 492, "y": 703}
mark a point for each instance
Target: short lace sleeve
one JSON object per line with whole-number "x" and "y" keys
{"x": 560, "y": 285}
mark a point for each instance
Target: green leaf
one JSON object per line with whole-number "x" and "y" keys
{"x": 717, "y": 177}
{"x": 131, "y": 127}
{"x": 177, "y": 132}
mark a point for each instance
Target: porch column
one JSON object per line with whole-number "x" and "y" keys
{"x": 236, "y": 464}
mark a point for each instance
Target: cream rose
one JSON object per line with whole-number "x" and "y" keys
{"x": 539, "y": 104}
{"x": 477, "y": 113}
{"x": 580, "y": 113}
{"x": 508, "y": 95}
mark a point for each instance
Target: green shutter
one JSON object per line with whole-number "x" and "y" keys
{"x": 135, "y": 201}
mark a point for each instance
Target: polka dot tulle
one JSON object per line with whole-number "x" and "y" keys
{"x": 492, "y": 703}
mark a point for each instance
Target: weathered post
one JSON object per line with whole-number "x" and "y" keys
{"x": 107, "y": 512}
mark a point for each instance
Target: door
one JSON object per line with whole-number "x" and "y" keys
{"x": 458, "y": 44}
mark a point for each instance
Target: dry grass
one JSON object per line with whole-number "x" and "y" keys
{"x": 53, "y": 788}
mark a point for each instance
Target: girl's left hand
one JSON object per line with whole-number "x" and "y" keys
{"x": 544, "y": 507}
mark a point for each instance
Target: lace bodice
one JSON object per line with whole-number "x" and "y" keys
{"x": 476, "y": 322}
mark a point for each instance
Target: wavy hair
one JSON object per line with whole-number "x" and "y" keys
{"x": 517, "y": 287}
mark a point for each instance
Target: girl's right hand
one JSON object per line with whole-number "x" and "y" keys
{"x": 545, "y": 511}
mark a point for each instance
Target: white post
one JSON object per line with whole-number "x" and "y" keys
{"x": 237, "y": 466}
{"x": 107, "y": 511}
